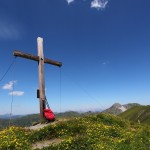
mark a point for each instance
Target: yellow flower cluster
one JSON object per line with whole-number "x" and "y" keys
{"x": 14, "y": 138}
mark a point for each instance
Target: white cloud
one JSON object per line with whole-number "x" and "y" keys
{"x": 9, "y": 85}
{"x": 16, "y": 93}
{"x": 99, "y": 4}
{"x": 69, "y": 1}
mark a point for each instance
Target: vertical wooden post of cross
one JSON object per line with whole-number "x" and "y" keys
{"x": 41, "y": 79}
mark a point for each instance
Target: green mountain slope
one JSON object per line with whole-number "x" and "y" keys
{"x": 138, "y": 114}
{"x": 67, "y": 114}
{"x": 28, "y": 120}
{"x": 92, "y": 132}
{"x": 22, "y": 121}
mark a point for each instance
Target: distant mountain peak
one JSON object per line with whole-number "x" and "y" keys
{"x": 116, "y": 105}
{"x": 117, "y": 108}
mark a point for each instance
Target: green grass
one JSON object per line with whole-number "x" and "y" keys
{"x": 137, "y": 114}
{"x": 93, "y": 132}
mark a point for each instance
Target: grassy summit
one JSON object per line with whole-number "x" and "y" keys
{"x": 93, "y": 132}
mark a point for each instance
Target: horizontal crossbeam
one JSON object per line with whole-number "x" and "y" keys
{"x": 36, "y": 58}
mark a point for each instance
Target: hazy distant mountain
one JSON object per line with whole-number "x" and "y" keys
{"x": 118, "y": 108}
{"x": 7, "y": 116}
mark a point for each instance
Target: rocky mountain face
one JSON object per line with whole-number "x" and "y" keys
{"x": 118, "y": 108}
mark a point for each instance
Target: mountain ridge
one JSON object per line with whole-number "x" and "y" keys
{"x": 117, "y": 108}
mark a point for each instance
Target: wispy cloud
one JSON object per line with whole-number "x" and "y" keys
{"x": 9, "y": 85}
{"x": 105, "y": 62}
{"x": 9, "y": 29}
{"x": 69, "y": 1}
{"x": 99, "y": 4}
{"x": 16, "y": 93}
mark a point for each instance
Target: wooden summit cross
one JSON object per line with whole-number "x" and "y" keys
{"x": 41, "y": 60}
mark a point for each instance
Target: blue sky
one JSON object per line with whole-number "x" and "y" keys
{"x": 104, "y": 46}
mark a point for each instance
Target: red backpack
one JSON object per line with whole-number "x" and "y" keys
{"x": 49, "y": 115}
